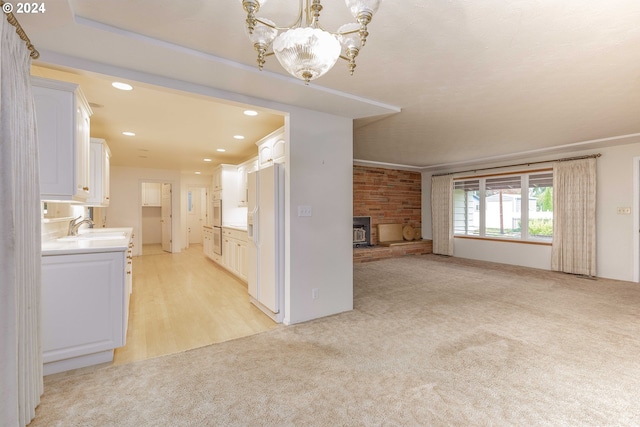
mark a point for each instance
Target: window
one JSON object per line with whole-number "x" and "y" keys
{"x": 503, "y": 207}
{"x": 498, "y": 206}
{"x": 541, "y": 207}
{"x": 466, "y": 207}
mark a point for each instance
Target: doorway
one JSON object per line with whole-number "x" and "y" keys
{"x": 196, "y": 213}
{"x": 156, "y": 218}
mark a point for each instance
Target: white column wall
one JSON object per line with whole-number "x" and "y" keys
{"x": 319, "y": 252}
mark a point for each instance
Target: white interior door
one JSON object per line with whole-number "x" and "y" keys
{"x": 196, "y": 213}
{"x": 165, "y": 214}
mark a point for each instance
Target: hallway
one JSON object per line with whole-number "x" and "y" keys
{"x": 184, "y": 301}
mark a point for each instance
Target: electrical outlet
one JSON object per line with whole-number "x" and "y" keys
{"x": 624, "y": 211}
{"x": 304, "y": 210}
{"x": 315, "y": 293}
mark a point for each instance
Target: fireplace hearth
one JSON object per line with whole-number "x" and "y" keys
{"x": 361, "y": 231}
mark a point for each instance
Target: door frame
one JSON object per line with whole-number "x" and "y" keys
{"x": 138, "y": 237}
{"x": 636, "y": 219}
{"x": 205, "y": 220}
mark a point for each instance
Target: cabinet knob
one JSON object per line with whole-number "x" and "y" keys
{"x": 85, "y": 188}
{"x": 128, "y": 272}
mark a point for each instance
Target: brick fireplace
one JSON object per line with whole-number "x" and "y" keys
{"x": 387, "y": 196}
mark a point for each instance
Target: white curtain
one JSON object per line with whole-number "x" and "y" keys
{"x": 21, "y": 382}
{"x": 574, "y": 217}
{"x": 441, "y": 214}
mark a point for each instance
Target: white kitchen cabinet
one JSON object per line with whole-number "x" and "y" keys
{"x": 243, "y": 181}
{"x": 271, "y": 148}
{"x": 242, "y": 260}
{"x": 228, "y": 253}
{"x": 129, "y": 277}
{"x": 63, "y": 124}
{"x": 99, "y": 165}
{"x": 151, "y": 194}
{"x": 207, "y": 241}
{"x": 84, "y": 308}
{"x": 217, "y": 178}
{"x": 278, "y": 150}
{"x": 234, "y": 252}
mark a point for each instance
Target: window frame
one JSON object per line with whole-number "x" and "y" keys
{"x": 524, "y": 208}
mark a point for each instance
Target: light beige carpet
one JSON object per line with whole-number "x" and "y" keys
{"x": 432, "y": 342}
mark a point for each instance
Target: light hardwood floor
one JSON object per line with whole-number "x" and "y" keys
{"x": 183, "y": 301}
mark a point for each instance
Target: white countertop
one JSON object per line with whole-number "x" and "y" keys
{"x": 241, "y": 227}
{"x": 87, "y": 244}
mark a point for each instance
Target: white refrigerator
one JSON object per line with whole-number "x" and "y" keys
{"x": 265, "y": 228}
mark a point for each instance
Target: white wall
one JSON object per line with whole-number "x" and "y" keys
{"x": 319, "y": 174}
{"x": 125, "y": 207}
{"x": 151, "y": 225}
{"x": 615, "y": 233}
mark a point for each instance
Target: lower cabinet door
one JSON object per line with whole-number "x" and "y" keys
{"x": 83, "y": 304}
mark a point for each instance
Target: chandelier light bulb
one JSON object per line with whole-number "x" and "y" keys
{"x": 251, "y": 7}
{"x": 262, "y": 37}
{"x": 358, "y": 7}
{"x": 349, "y": 37}
{"x": 363, "y": 11}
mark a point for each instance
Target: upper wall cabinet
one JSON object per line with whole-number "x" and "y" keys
{"x": 99, "y": 165}
{"x": 225, "y": 185}
{"x": 62, "y": 116}
{"x": 151, "y": 194}
{"x": 243, "y": 180}
{"x": 271, "y": 148}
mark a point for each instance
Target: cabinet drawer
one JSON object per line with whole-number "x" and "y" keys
{"x": 235, "y": 234}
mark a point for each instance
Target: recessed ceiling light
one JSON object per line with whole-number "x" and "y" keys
{"x": 221, "y": 150}
{"x": 238, "y": 137}
{"x": 122, "y": 86}
{"x": 129, "y": 133}
{"x": 250, "y": 113}
{"x": 197, "y": 173}
{"x": 207, "y": 160}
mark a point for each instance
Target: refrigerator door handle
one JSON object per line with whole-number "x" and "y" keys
{"x": 256, "y": 225}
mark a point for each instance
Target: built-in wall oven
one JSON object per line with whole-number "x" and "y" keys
{"x": 216, "y": 214}
{"x": 217, "y": 240}
{"x": 217, "y": 226}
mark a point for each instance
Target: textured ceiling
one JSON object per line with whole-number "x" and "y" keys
{"x": 473, "y": 80}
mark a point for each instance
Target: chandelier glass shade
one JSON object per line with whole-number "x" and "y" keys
{"x": 305, "y": 49}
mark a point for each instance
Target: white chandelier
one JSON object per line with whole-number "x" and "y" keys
{"x": 308, "y": 52}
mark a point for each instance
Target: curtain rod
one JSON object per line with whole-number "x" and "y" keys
{"x": 13, "y": 21}
{"x": 594, "y": 156}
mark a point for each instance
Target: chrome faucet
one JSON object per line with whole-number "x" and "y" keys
{"x": 74, "y": 226}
